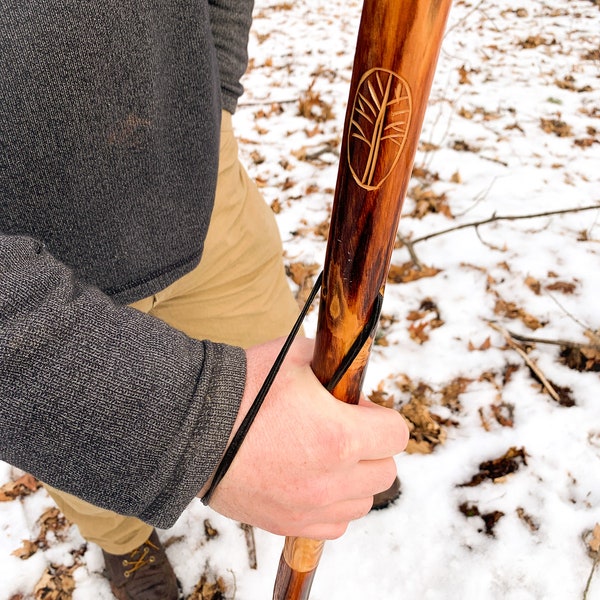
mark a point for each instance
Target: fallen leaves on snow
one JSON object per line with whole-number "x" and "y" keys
{"x": 498, "y": 468}
{"x": 21, "y": 487}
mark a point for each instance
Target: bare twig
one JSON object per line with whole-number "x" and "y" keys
{"x": 406, "y": 242}
{"x": 564, "y": 343}
{"x": 479, "y": 198}
{"x": 488, "y": 244}
{"x": 530, "y": 363}
{"x": 496, "y": 217}
{"x": 266, "y": 102}
{"x": 589, "y": 579}
{"x": 570, "y": 315}
{"x": 494, "y": 160}
{"x": 464, "y": 19}
{"x": 327, "y": 148}
{"x": 250, "y": 544}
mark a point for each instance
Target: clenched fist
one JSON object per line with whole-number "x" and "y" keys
{"x": 309, "y": 464}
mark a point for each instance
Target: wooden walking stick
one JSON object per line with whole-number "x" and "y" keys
{"x": 396, "y": 53}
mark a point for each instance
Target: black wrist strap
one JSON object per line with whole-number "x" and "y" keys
{"x": 352, "y": 353}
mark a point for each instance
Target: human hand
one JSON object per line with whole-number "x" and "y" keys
{"x": 309, "y": 464}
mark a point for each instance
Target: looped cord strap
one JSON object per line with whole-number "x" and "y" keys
{"x": 348, "y": 359}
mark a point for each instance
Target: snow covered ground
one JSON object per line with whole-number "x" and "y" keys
{"x": 513, "y": 129}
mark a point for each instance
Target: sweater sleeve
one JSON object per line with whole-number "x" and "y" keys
{"x": 103, "y": 401}
{"x": 230, "y": 24}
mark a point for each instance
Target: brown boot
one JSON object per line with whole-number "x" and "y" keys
{"x": 384, "y": 499}
{"x": 143, "y": 573}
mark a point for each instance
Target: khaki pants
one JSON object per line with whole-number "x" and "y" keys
{"x": 237, "y": 295}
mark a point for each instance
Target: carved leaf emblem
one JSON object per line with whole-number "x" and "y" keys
{"x": 380, "y": 120}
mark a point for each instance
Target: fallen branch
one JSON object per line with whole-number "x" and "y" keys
{"x": 496, "y": 217}
{"x": 589, "y": 579}
{"x": 563, "y": 343}
{"x": 530, "y": 363}
{"x": 250, "y": 544}
{"x": 413, "y": 256}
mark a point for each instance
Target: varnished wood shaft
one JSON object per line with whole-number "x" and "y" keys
{"x": 304, "y": 554}
{"x": 396, "y": 53}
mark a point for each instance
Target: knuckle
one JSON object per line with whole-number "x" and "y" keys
{"x": 335, "y": 443}
{"x": 390, "y": 472}
{"x": 336, "y": 530}
{"x": 403, "y": 433}
{"x": 318, "y": 495}
{"x": 361, "y": 508}
{"x": 344, "y": 445}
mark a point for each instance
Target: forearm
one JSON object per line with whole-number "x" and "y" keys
{"x": 103, "y": 401}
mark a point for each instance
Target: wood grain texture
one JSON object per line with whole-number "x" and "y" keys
{"x": 393, "y": 69}
{"x": 304, "y": 554}
{"x": 396, "y": 54}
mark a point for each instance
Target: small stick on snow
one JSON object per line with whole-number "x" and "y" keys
{"x": 250, "y": 544}
{"x": 530, "y": 363}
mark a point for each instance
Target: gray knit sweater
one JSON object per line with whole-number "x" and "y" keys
{"x": 109, "y": 119}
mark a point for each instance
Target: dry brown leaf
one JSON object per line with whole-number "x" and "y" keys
{"x": 408, "y": 271}
{"x": 312, "y": 106}
{"x": 276, "y": 206}
{"x": 486, "y": 345}
{"x": 209, "y": 589}
{"x": 504, "y": 413}
{"x": 287, "y": 184}
{"x": 466, "y": 113}
{"x": 489, "y": 519}
{"x": 381, "y": 397}
{"x": 301, "y": 271}
{"x": 209, "y": 530}
{"x": 585, "y": 142}
{"x": 527, "y": 519}
{"x": 594, "y": 542}
{"x": 425, "y": 174}
{"x": 425, "y": 431}
{"x": 533, "y": 41}
{"x": 28, "y": 549}
{"x": 428, "y": 202}
{"x": 417, "y": 332}
{"x": 21, "y": 487}
{"x": 320, "y": 230}
{"x": 482, "y": 418}
{"x": 584, "y": 358}
{"x": 51, "y": 520}
{"x": 463, "y": 76}
{"x": 557, "y": 127}
{"x": 498, "y": 468}
{"x": 421, "y": 447}
{"x": 511, "y": 311}
{"x": 381, "y": 340}
{"x": 451, "y": 392}
{"x": 530, "y": 321}
{"x": 533, "y": 284}
{"x": 56, "y": 583}
{"x": 562, "y": 286}
{"x": 257, "y": 157}
{"x": 302, "y": 274}
{"x": 463, "y": 146}
{"x": 428, "y": 147}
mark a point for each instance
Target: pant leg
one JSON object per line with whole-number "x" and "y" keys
{"x": 237, "y": 295}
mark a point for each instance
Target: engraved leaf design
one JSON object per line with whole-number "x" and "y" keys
{"x": 380, "y": 121}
